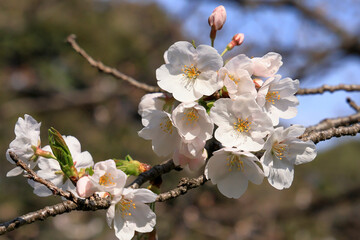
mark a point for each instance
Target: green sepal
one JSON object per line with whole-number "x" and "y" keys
{"x": 62, "y": 154}
{"x": 130, "y": 166}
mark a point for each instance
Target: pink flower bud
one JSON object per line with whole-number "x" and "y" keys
{"x": 237, "y": 40}
{"x": 217, "y": 18}
{"x": 84, "y": 187}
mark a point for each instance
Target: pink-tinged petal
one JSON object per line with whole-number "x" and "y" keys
{"x": 267, "y": 65}
{"x": 181, "y": 53}
{"x": 240, "y": 62}
{"x": 84, "y": 187}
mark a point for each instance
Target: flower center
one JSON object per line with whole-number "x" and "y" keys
{"x": 272, "y": 96}
{"x": 235, "y": 163}
{"x": 232, "y": 78}
{"x": 279, "y": 150}
{"x": 166, "y": 126}
{"x": 124, "y": 205}
{"x": 242, "y": 125}
{"x": 191, "y": 72}
{"x": 191, "y": 116}
{"x": 106, "y": 180}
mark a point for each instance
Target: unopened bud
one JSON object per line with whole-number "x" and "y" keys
{"x": 130, "y": 166}
{"x": 84, "y": 187}
{"x": 216, "y": 21}
{"x": 217, "y": 18}
{"x": 237, "y": 40}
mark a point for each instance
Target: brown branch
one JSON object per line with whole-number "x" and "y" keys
{"x": 184, "y": 185}
{"x": 327, "y": 88}
{"x": 353, "y": 105}
{"x": 334, "y": 122}
{"x": 112, "y": 71}
{"x": 91, "y": 204}
{"x": 153, "y": 173}
{"x": 33, "y": 176}
{"x": 332, "y": 132}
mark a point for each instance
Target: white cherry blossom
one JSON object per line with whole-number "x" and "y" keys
{"x": 161, "y": 130}
{"x": 106, "y": 178}
{"x": 27, "y": 140}
{"x": 190, "y": 73}
{"x": 236, "y": 75}
{"x": 155, "y": 101}
{"x": 283, "y": 150}
{"x": 51, "y": 171}
{"x": 241, "y": 123}
{"x": 192, "y": 121}
{"x": 193, "y": 162}
{"x": 277, "y": 97}
{"x": 231, "y": 169}
{"x": 268, "y": 65}
{"x": 129, "y": 213}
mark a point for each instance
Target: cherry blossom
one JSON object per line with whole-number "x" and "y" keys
{"x": 241, "y": 123}
{"x": 192, "y": 121}
{"x": 236, "y": 75}
{"x": 268, "y": 65}
{"x": 283, "y": 150}
{"x": 25, "y": 144}
{"x": 277, "y": 97}
{"x": 129, "y": 213}
{"x": 231, "y": 169}
{"x": 106, "y": 178}
{"x": 190, "y": 73}
{"x": 161, "y": 130}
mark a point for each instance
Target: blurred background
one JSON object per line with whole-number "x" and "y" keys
{"x": 42, "y": 76}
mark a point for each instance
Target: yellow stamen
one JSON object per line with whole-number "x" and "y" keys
{"x": 279, "y": 150}
{"x": 124, "y": 206}
{"x": 106, "y": 180}
{"x": 235, "y": 163}
{"x": 272, "y": 96}
{"x": 166, "y": 126}
{"x": 242, "y": 125}
{"x": 191, "y": 116}
{"x": 235, "y": 80}
{"x": 190, "y": 72}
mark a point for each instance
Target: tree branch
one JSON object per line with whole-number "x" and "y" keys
{"x": 32, "y": 175}
{"x": 182, "y": 188}
{"x": 112, "y": 71}
{"x": 332, "y": 132}
{"x": 91, "y": 204}
{"x": 353, "y": 105}
{"x": 327, "y": 88}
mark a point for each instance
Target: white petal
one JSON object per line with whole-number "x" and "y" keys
{"x": 14, "y": 172}
{"x": 144, "y": 195}
{"x": 234, "y": 185}
{"x": 144, "y": 218}
{"x": 110, "y": 214}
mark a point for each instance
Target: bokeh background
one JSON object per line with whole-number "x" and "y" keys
{"x": 42, "y": 76}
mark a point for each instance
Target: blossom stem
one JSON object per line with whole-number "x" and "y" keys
{"x": 225, "y": 50}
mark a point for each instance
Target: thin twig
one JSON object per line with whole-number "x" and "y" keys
{"x": 327, "y": 88}
{"x": 184, "y": 185}
{"x": 33, "y": 176}
{"x": 353, "y": 104}
{"x": 153, "y": 173}
{"x": 332, "y": 132}
{"x": 92, "y": 204}
{"x": 334, "y": 122}
{"x": 112, "y": 71}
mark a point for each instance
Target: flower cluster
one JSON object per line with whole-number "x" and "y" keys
{"x": 74, "y": 171}
{"x": 244, "y": 98}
